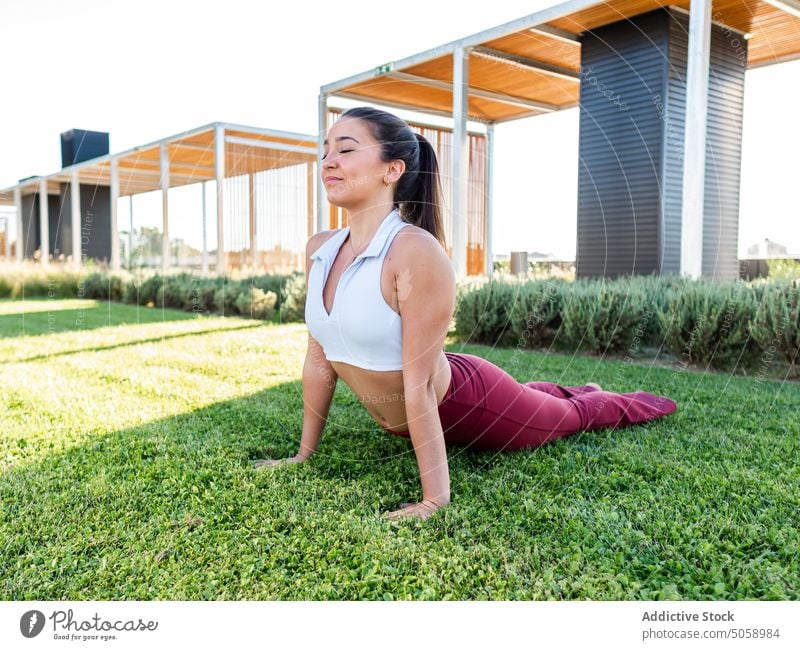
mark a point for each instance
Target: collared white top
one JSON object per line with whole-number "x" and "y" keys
{"x": 361, "y": 329}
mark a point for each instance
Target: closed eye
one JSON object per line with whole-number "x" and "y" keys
{"x": 342, "y": 151}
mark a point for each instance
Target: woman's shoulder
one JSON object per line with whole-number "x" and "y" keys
{"x": 318, "y": 239}
{"x": 413, "y": 240}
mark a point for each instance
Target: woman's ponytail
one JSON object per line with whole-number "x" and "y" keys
{"x": 423, "y": 207}
{"x": 418, "y": 193}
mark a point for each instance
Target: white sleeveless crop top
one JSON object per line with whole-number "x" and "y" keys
{"x": 361, "y": 329}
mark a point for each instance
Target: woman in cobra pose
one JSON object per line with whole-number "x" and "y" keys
{"x": 380, "y": 299}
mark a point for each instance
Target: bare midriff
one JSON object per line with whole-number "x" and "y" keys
{"x": 382, "y": 392}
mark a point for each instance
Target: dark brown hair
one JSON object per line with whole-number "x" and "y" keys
{"x": 418, "y": 194}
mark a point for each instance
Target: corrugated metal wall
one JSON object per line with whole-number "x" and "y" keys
{"x": 633, "y": 98}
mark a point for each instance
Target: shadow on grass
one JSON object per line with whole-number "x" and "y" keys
{"x": 81, "y": 319}
{"x": 173, "y": 510}
{"x": 154, "y": 339}
{"x": 143, "y": 512}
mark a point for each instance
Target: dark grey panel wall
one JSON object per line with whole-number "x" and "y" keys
{"x": 95, "y": 227}
{"x": 31, "y": 233}
{"x": 619, "y": 212}
{"x": 630, "y": 182}
{"x": 31, "y": 225}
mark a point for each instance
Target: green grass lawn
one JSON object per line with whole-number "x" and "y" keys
{"x": 126, "y": 436}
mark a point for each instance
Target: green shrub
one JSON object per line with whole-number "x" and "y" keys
{"x": 103, "y": 285}
{"x": 267, "y": 283}
{"x": 602, "y": 315}
{"x": 255, "y": 303}
{"x": 776, "y": 326}
{"x": 225, "y": 297}
{"x": 708, "y": 323}
{"x": 536, "y": 314}
{"x": 143, "y": 290}
{"x": 482, "y": 312}
{"x": 293, "y": 306}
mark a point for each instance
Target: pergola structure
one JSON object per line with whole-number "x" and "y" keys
{"x": 536, "y": 64}
{"x": 216, "y": 151}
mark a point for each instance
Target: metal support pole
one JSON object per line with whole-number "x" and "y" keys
{"x": 694, "y": 144}
{"x": 75, "y": 218}
{"x": 219, "y": 175}
{"x": 251, "y": 211}
{"x": 205, "y": 238}
{"x": 114, "y": 215}
{"x": 165, "y": 254}
{"x": 489, "y": 263}
{"x": 323, "y": 208}
{"x": 7, "y": 240}
{"x": 460, "y": 158}
{"x": 130, "y": 231}
{"x": 310, "y": 198}
{"x": 18, "y": 205}
{"x": 44, "y": 222}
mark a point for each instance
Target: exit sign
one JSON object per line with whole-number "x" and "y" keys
{"x": 383, "y": 69}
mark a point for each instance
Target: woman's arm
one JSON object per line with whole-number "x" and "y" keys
{"x": 319, "y": 382}
{"x": 426, "y": 289}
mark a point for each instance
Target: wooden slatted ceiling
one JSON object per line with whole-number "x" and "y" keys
{"x": 415, "y": 95}
{"x": 537, "y": 46}
{"x": 775, "y": 36}
{"x": 775, "y": 33}
{"x": 505, "y": 77}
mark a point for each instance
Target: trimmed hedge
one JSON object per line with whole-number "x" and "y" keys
{"x": 266, "y": 297}
{"x": 725, "y": 325}
{"x": 709, "y": 323}
{"x": 776, "y": 325}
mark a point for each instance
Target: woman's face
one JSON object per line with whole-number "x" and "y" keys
{"x": 352, "y": 170}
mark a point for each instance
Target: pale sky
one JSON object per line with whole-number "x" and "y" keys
{"x": 145, "y": 70}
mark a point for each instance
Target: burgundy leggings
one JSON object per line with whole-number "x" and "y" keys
{"x": 486, "y": 408}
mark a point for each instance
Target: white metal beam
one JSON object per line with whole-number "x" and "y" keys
{"x": 114, "y": 215}
{"x": 18, "y": 205}
{"x": 526, "y": 22}
{"x": 504, "y": 98}
{"x": 130, "y": 231}
{"x": 460, "y": 159}
{"x": 165, "y": 256}
{"x": 406, "y": 106}
{"x": 44, "y": 222}
{"x": 554, "y": 32}
{"x": 694, "y": 145}
{"x": 7, "y": 240}
{"x": 75, "y": 218}
{"x": 789, "y": 6}
{"x": 219, "y": 175}
{"x": 527, "y": 64}
{"x": 251, "y": 213}
{"x": 205, "y": 238}
{"x": 489, "y": 263}
{"x": 277, "y": 146}
{"x": 322, "y": 200}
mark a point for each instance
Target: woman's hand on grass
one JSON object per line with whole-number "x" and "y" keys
{"x": 421, "y": 510}
{"x": 268, "y": 462}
